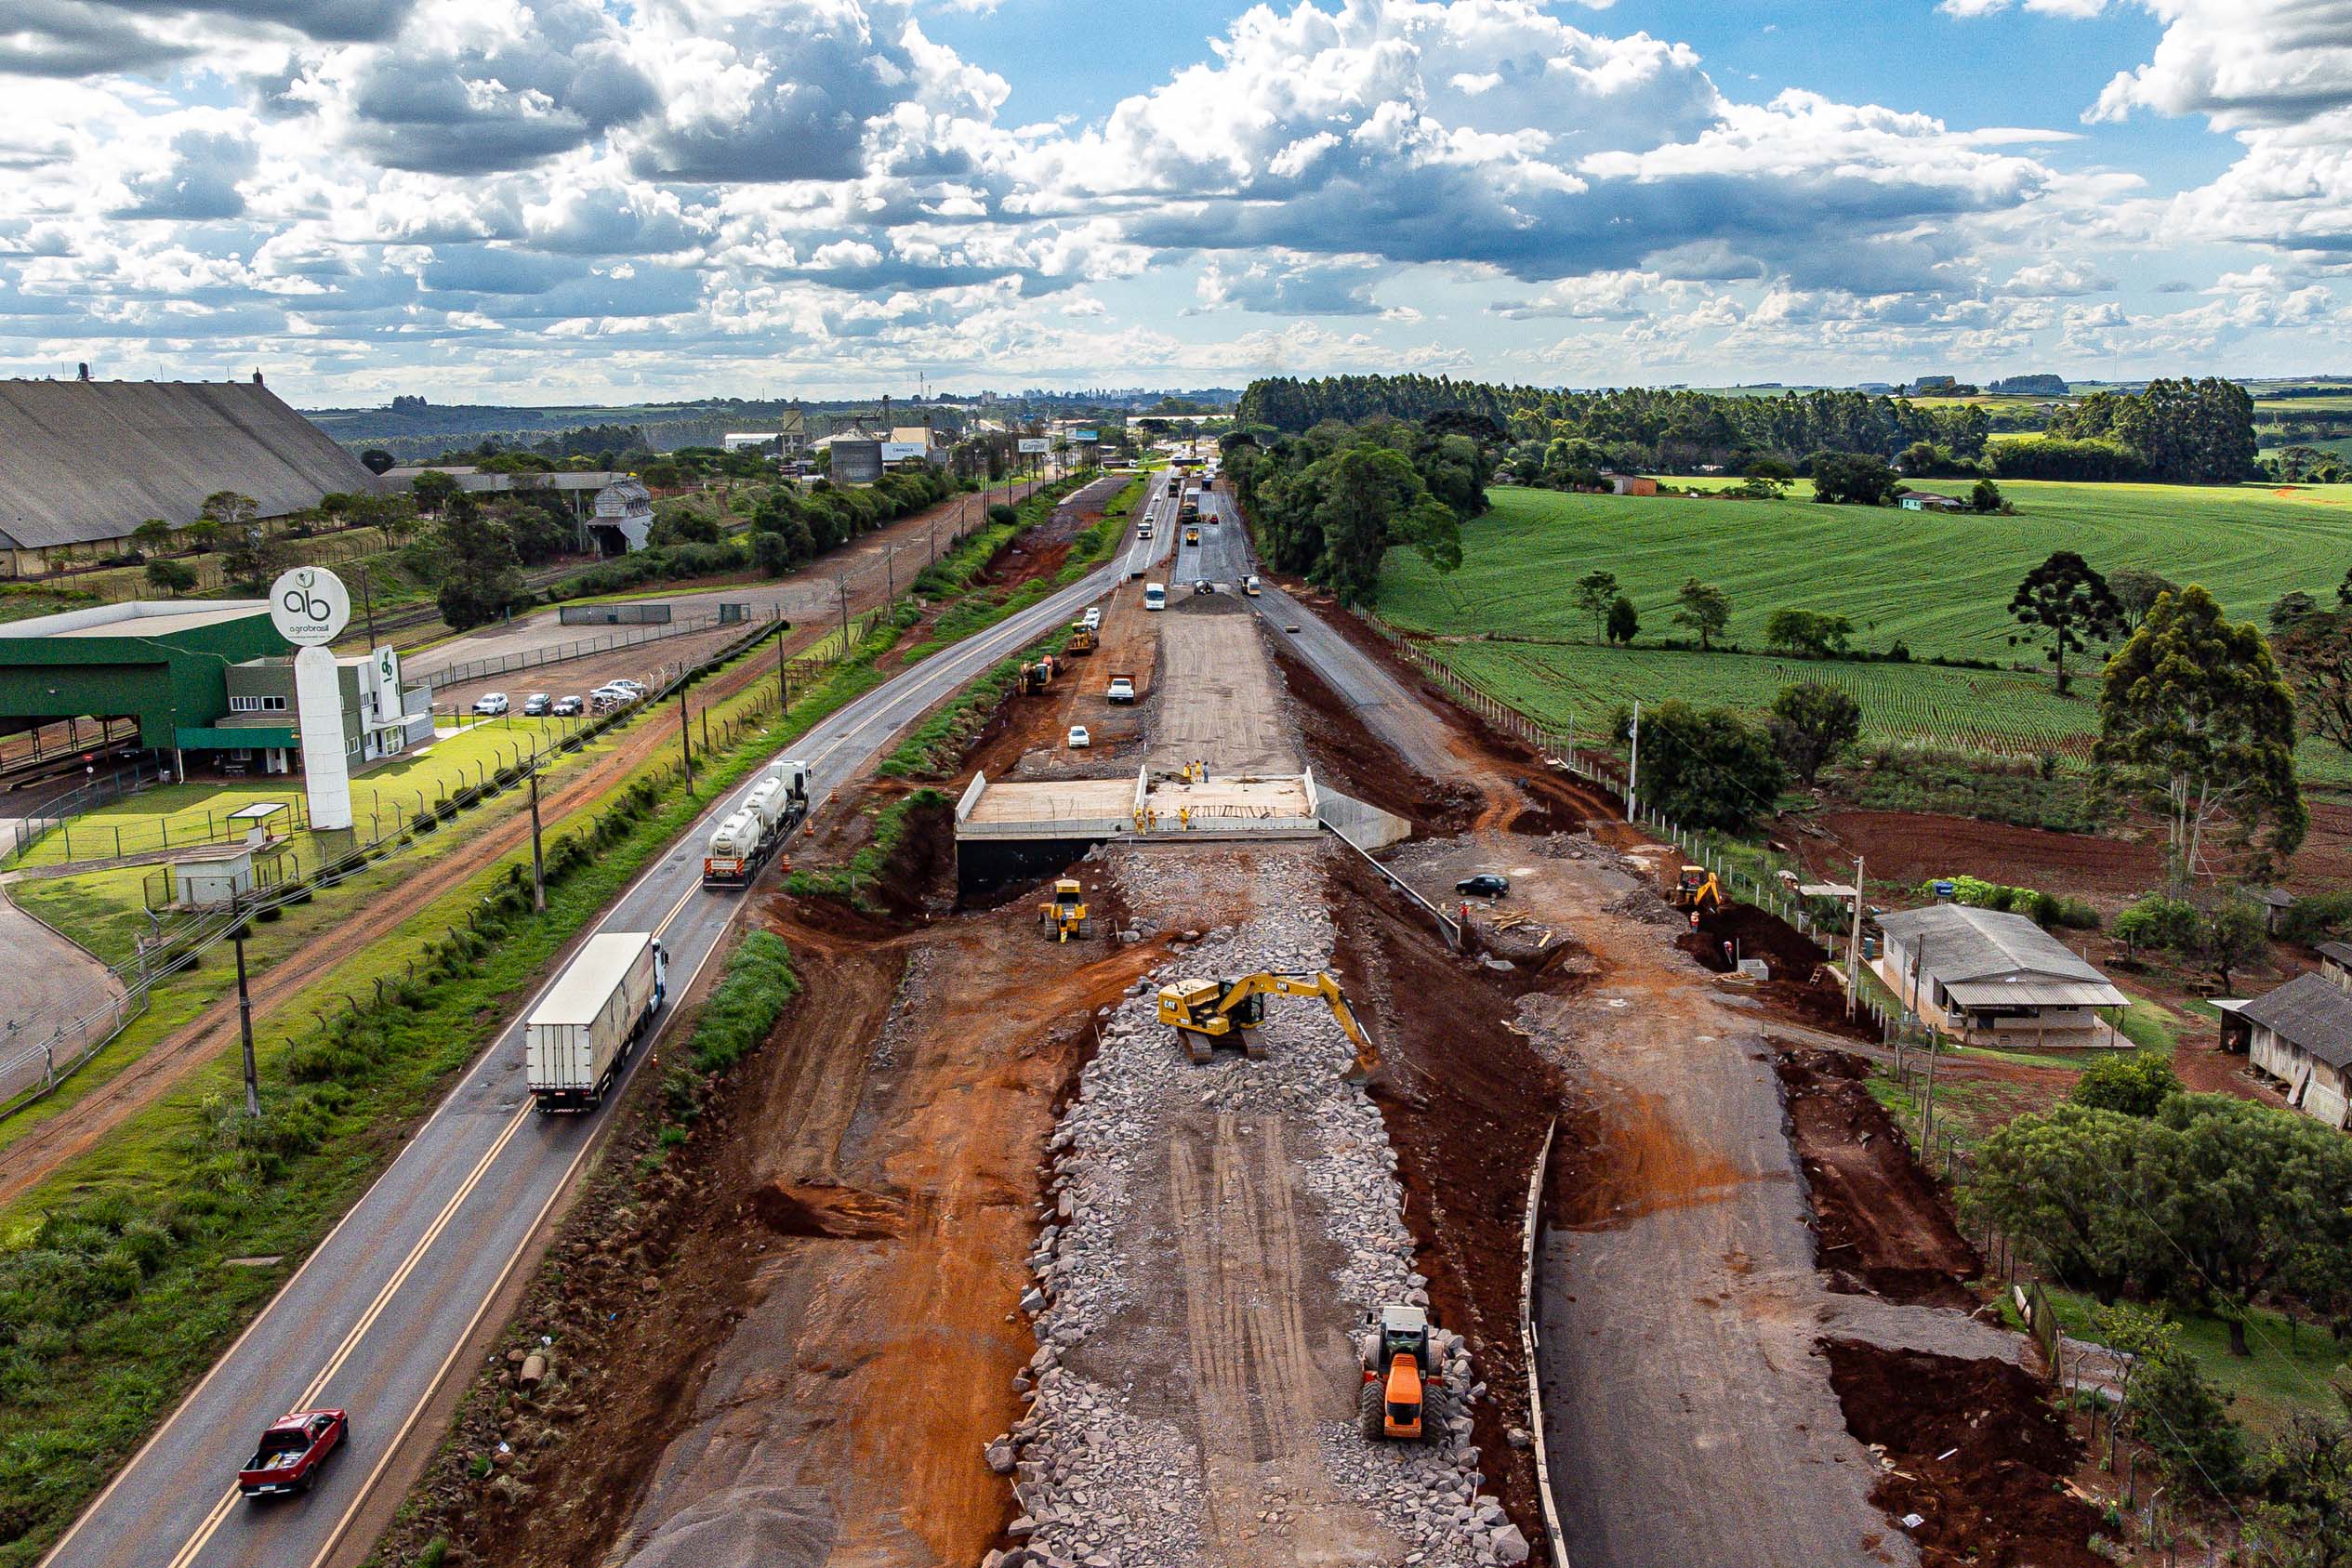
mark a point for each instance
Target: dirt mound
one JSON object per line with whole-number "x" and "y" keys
{"x": 1979, "y": 1453}
{"x": 1466, "y": 1101}
{"x": 1352, "y": 760}
{"x": 1881, "y": 1222}
{"x": 1755, "y": 934}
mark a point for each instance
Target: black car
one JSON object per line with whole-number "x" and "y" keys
{"x": 1487, "y": 885}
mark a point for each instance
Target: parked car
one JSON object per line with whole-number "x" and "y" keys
{"x": 535, "y": 705}
{"x": 635, "y": 688}
{"x": 1122, "y": 690}
{"x": 490, "y": 704}
{"x": 287, "y": 1458}
{"x": 568, "y": 707}
{"x": 1095, "y": 615}
{"x": 1079, "y": 739}
{"x": 612, "y": 695}
{"x": 1486, "y": 885}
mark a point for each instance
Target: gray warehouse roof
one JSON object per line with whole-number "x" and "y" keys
{"x": 2312, "y": 1011}
{"x": 90, "y": 461}
{"x": 1963, "y": 944}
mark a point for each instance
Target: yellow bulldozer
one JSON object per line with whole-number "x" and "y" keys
{"x": 1081, "y": 640}
{"x": 1209, "y": 1013}
{"x": 1063, "y": 916}
{"x": 1696, "y": 892}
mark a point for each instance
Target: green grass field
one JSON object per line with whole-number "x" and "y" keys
{"x": 1940, "y": 585}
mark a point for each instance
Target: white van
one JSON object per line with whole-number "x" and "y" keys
{"x": 1154, "y": 596}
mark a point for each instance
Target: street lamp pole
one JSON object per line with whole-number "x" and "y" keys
{"x": 685, "y": 738}
{"x": 538, "y": 864}
{"x": 245, "y": 1026}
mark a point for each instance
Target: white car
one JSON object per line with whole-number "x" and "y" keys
{"x": 637, "y": 686}
{"x": 1079, "y": 739}
{"x": 490, "y": 704}
{"x": 1122, "y": 690}
{"x": 1095, "y": 615}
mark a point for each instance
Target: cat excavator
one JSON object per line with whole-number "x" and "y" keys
{"x": 1697, "y": 891}
{"x": 1209, "y": 1013}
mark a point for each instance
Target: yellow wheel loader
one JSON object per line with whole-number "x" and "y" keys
{"x": 1063, "y": 916}
{"x": 1698, "y": 893}
{"x": 1209, "y": 1013}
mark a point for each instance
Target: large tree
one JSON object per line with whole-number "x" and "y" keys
{"x": 480, "y": 577}
{"x": 1810, "y": 723}
{"x": 2193, "y": 706}
{"x": 1704, "y": 608}
{"x": 2136, "y": 589}
{"x": 2316, "y": 654}
{"x": 1594, "y": 592}
{"x": 1369, "y": 496}
{"x": 1710, "y": 770}
{"x": 2068, "y": 605}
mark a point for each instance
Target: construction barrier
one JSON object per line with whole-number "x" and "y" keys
{"x": 1531, "y": 1237}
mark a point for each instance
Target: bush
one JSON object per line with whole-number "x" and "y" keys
{"x": 2134, "y": 1084}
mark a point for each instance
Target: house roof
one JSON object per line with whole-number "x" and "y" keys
{"x": 2313, "y": 1013}
{"x": 91, "y": 460}
{"x": 1959, "y": 944}
{"x": 2339, "y": 951}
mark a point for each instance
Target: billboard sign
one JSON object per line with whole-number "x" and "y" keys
{"x": 905, "y": 450}
{"x": 309, "y": 606}
{"x": 1085, "y": 436}
{"x": 1034, "y": 445}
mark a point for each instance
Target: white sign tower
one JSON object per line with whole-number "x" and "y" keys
{"x": 311, "y": 607}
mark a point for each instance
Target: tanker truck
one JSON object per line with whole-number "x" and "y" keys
{"x": 583, "y": 1029}
{"x": 745, "y": 837}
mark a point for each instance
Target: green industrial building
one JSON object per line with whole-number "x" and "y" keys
{"x": 206, "y": 682}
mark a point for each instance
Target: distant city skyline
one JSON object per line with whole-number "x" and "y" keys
{"x": 545, "y": 202}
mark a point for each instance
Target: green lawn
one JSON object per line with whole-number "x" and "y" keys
{"x": 2288, "y": 1371}
{"x": 1940, "y": 585}
{"x": 197, "y": 811}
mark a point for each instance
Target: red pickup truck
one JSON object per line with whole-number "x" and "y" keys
{"x": 290, "y": 1453}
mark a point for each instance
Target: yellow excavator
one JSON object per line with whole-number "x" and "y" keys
{"x": 1697, "y": 891}
{"x": 1208, "y": 1013}
{"x": 1064, "y": 914}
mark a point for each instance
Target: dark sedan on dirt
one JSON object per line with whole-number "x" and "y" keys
{"x": 287, "y": 1458}
{"x": 1486, "y": 885}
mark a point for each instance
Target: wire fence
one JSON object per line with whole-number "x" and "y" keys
{"x": 40, "y": 1051}
{"x": 561, "y": 653}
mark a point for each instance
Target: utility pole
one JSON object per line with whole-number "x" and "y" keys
{"x": 889, "y": 574}
{"x": 842, "y": 584}
{"x": 367, "y": 599}
{"x": 685, "y": 738}
{"x": 244, "y": 1025}
{"x": 1853, "y": 943}
{"x": 538, "y": 865}
{"x": 1633, "y": 773}
{"x": 783, "y": 673}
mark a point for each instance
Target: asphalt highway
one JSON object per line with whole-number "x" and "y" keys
{"x": 377, "y": 1314}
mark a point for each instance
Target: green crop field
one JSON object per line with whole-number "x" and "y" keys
{"x": 1940, "y": 585}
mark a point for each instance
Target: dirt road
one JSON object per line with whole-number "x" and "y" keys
{"x": 1219, "y": 703}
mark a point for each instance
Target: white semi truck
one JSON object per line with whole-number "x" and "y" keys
{"x": 745, "y": 837}
{"x": 578, "y": 1038}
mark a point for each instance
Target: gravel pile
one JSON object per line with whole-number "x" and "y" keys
{"x": 1104, "y": 1485}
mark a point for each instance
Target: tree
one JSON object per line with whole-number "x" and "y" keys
{"x": 1808, "y": 634}
{"x": 2304, "y": 1517}
{"x": 433, "y": 490}
{"x": 1860, "y": 478}
{"x": 1707, "y": 771}
{"x": 254, "y": 558}
{"x": 153, "y": 536}
{"x": 1595, "y": 593}
{"x": 2136, "y": 589}
{"x": 2069, "y": 604}
{"x": 2316, "y": 654}
{"x": 771, "y": 553}
{"x": 1985, "y": 496}
{"x": 1625, "y": 624}
{"x": 230, "y": 510}
{"x": 1372, "y": 497}
{"x": 2134, "y": 1083}
{"x": 1704, "y": 608}
{"x": 1810, "y": 723}
{"x": 203, "y": 536}
{"x": 2193, "y": 706}
{"x": 2231, "y": 932}
{"x": 2171, "y": 1405}
{"x": 480, "y": 577}
{"x": 170, "y": 576}
{"x": 2067, "y": 1184}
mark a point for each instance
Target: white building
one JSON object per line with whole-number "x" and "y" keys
{"x": 2301, "y": 1034}
{"x": 1994, "y": 979}
{"x": 623, "y": 516}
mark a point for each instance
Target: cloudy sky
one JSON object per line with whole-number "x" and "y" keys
{"x": 543, "y": 201}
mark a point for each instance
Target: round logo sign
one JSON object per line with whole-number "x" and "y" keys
{"x": 309, "y": 606}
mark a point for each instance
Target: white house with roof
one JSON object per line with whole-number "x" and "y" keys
{"x": 2301, "y": 1036}
{"x": 1995, "y": 979}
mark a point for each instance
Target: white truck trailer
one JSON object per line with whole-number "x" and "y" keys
{"x": 578, "y": 1038}
{"x": 745, "y": 837}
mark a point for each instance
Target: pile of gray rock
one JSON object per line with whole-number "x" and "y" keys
{"x": 1105, "y": 1480}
